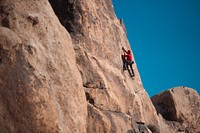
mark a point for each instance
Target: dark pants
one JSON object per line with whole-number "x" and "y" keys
{"x": 128, "y": 64}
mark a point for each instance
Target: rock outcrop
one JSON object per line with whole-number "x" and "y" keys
{"x": 40, "y": 86}
{"x": 180, "y": 107}
{"x": 61, "y": 70}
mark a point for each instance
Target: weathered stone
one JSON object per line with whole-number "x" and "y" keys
{"x": 40, "y": 86}
{"x": 98, "y": 38}
{"x": 55, "y": 79}
{"x": 181, "y": 105}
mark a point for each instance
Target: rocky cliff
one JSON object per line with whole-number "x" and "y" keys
{"x": 61, "y": 70}
{"x": 114, "y": 99}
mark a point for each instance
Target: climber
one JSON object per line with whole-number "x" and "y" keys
{"x": 128, "y": 61}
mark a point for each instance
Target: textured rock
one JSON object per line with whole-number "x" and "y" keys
{"x": 107, "y": 121}
{"x": 55, "y": 79}
{"x": 98, "y": 37}
{"x": 181, "y": 105}
{"x": 40, "y": 86}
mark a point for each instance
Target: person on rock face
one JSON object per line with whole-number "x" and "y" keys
{"x": 128, "y": 61}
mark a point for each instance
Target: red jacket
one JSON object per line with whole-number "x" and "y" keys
{"x": 129, "y": 57}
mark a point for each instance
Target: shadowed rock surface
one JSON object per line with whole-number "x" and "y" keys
{"x": 179, "y": 106}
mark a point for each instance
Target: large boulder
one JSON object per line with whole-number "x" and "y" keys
{"x": 180, "y": 107}
{"x": 40, "y": 86}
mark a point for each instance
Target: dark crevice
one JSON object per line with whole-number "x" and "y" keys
{"x": 33, "y": 19}
{"x": 2, "y": 55}
{"x": 69, "y": 13}
{"x": 89, "y": 98}
{"x": 5, "y": 23}
{"x": 6, "y": 11}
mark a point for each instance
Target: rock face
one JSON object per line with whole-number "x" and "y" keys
{"x": 68, "y": 78}
{"x": 180, "y": 107}
{"x": 40, "y": 87}
{"x": 114, "y": 99}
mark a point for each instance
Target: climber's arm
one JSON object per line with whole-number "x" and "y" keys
{"x": 124, "y": 50}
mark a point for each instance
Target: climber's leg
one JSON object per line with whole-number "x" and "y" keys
{"x": 129, "y": 70}
{"x": 131, "y": 66}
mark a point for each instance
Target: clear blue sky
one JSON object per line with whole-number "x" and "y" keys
{"x": 165, "y": 39}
